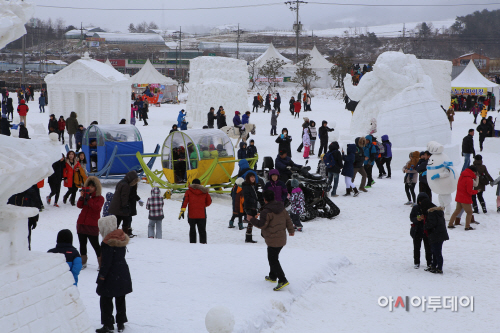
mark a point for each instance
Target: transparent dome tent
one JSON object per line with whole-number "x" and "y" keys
{"x": 100, "y": 142}
{"x": 207, "y": 154}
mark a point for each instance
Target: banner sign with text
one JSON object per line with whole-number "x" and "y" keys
{"x": 469, "y": 91}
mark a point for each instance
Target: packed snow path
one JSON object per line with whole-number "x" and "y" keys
{"x": 372, "y": 232}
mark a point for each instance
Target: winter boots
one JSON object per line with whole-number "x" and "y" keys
{"x": 483, "y": 205}
{"x": 106, "y": 329}
{"x": 475, "y": 210}
{"x": 348, "y": 192}
{"x": 84, "y": 261}
{"x": 248, "y": 239}
{"x": 356, "y": 193}
{"x": 240, "y": 226}
{"x": 231, "y": 224}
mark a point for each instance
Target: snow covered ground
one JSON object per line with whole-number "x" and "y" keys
{"x": 337, "y": 268}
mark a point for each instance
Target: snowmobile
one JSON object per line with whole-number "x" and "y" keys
{"x": 315, "y": 188}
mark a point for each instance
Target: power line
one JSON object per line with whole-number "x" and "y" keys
{"x": 271, "y": 4}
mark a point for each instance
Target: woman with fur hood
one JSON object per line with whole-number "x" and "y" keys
{"x": 90, "y": 202}
{"x": 114, "y": 279}
{"x": 435, "y": 225}
{"x": 198, "y": 199}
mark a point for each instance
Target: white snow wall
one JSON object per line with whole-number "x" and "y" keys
{"x": 36, "y": 289}
{"x": 440, "y": 73}
{"x": 216, "y": 81}
{"x": 13, "y": 15}
{"x": 401, "y": 96}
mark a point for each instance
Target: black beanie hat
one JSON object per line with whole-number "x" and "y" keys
{"x": 65, "y": 236}
{"x": 478, "y": 157}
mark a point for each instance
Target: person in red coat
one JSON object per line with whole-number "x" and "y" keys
{"x": 61, "y": 124}
{"x": 90, "y": 202}
{"x": 297, "y": 107}
{"x": 23, "y": 109}
{"x": 74, "y": 177}
{"x": 198, "y": 199}
{"x": 465, "y": 191}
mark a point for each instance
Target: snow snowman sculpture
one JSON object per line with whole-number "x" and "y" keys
{"x": 440, "y": 175}
{"x": 335, "y": 135}
{"x": 373, "y": 126}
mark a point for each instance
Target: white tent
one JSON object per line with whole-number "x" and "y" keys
{"x": 92, "y": 89}
{"x": 270, "y": 53}
{"x": 148, "y": 74}
{"x": 471, "y": 81}
{"x": 107, "y": 62}
{"x": 318, "y": 61}
{"x": 320, "y": 65}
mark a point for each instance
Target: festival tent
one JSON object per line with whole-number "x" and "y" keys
{"x": 107, "y": 62}
{"x": 320, "y": 65}
{"x": 270, "y": 53}
{"x": 471, "y": 81}
{"x": 148, "y": 75}
{"x": 92, "y": 89}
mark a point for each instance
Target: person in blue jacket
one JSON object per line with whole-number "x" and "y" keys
{"x": 65, "y": 246}
{"x": 370, "y": 155}
{"x": 79, "y": 137}
{"x": 237, "y": 121}
{"x": 245, "y": 169}
{"x": 246, "y": 118}
{"x": 348, "y": 170}
{"x": 180, "y": 118}
{"x": 283, "y": 164}
{"x": 387, "y": 155}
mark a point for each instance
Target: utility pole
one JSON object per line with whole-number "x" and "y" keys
{"x": 297, "y": 27}
{"x": 180, "y": 53}
{"x": 238, "y": 43}
{"x": 24, "y": 59}
{"x": 404, "y": 40}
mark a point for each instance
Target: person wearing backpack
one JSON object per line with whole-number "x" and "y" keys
{"x": 371, "y": 153}
{"x": 379, "y": 147}
{"x": 359, "y": 161}
{"x": 333, "y": 163}
{"x": 387, "y": 154}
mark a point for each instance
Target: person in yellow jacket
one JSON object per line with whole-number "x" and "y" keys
{"x": 484, "y": 112}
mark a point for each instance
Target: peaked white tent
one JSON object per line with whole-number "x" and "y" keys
{"x": 318, "y": 61}
{"x": 107, "y": 62}
{"x": 148, "y": 74}
{"x": 270, "y": 53}
{"x": 320, "y": 65}
{"x": 471, "y": 81}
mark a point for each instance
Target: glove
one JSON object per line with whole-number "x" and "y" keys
{"x": 141, "y": 203}
{"x": 289, "y": 167}
{"x": 181, "y": 214}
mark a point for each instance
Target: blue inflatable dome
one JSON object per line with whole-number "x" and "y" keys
{"x": 98, "y": 144}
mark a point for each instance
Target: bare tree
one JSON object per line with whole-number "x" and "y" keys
{"x": 340, "y": 69}
{"x": 304, "y": 74}
{"x": 142, "y": 27}
{"x": 131, "y": 28}
{"x": 253, "y": 71}
{"x": 271, "y": 70}
{"x": 152, "y": 25}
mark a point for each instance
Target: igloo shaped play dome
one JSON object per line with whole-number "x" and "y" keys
{"x": 402, "y": 98}
{"x": 216, "y": 81}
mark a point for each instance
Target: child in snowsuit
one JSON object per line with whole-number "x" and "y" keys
{"x": 238, "y": 201}
{"x": 277, "y": 186}
{"x": 251, "y": 202}
{"x": 65, "y": 246}
{"x": 242, "y": 152}
{"x": 306, "y": 140}
{"x": 313, "y": 135}
{"x": 155, "y": 207}
{"x": 321, "y": 167}
{"x": 105, "y": 208}
{"x": 251, "y": 150}
{"x": 297, "y": 204}
{"x": 297, "y": 107}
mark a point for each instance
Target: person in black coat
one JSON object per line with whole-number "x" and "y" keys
{"x": 292, "y": 105}
{"x": 484, "y": 131}
{"x": 5, "y": 125}
{"x": 267, "y": 106}
{"x": 10, "y": 108}
{"x": 323, "y": 136}
{"x": 113, "y": 280}
{"x": 468, "y": 148}
{"x": 211, "y": 118}
{"x": 417, "y": 218}
{"x": 348, "y": 169}
{"x": 283, "y": 164}
{"x": 334, "y": 172}
{"x": 123, "y": 203}
{"x": 221, "y": 118}
{"x": 53, "y": 125}
{"x": 251, "y": 202}
{"x": 174, "y": 128}
{"x": 284, "y": 141}
{"x": 255, "y": 104}
{"x": 55, "y": 180}
{"x": 421, "y": 168}
{"x": 277, "y": 103}
{"x": 28, "y": 198}
{"x": 435, "y": 225}
{"x": 23, "y": 131}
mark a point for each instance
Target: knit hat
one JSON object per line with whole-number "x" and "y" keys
{"x": 65, "y": 236}
{"x": 107, "y": 224}
{"x": 237, "y": 113}
{"x": 478, "y": 157}
{"x": 283, "y": 152}
{"x": 295, "y": 183}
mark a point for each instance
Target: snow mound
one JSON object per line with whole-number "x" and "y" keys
{"x": 13, "y": 16}
{"x": 219, "y": 320}
{"x": 402, "y": 98}
{"x": 216, "y": 81}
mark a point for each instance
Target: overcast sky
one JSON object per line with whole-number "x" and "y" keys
{"x": 313, "y": 16}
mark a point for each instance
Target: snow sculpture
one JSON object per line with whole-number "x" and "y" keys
{"x": 32, "y": 282}
{"x": 13, "y": 16}
{"x": 216, "y": 81}
{"x": 441, "y": 176}
{"x": 219, "y": 320}
{"x": 401, "y": 97}
{"x": 335, "y": 135}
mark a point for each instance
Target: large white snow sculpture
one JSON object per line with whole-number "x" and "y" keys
{"x": 216, "y": 81}
{"x": 401, "y": 97}
{"x": 13, "y": 16}
{"x": 219, "y": 319}
{"x": 441, "y": 176}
